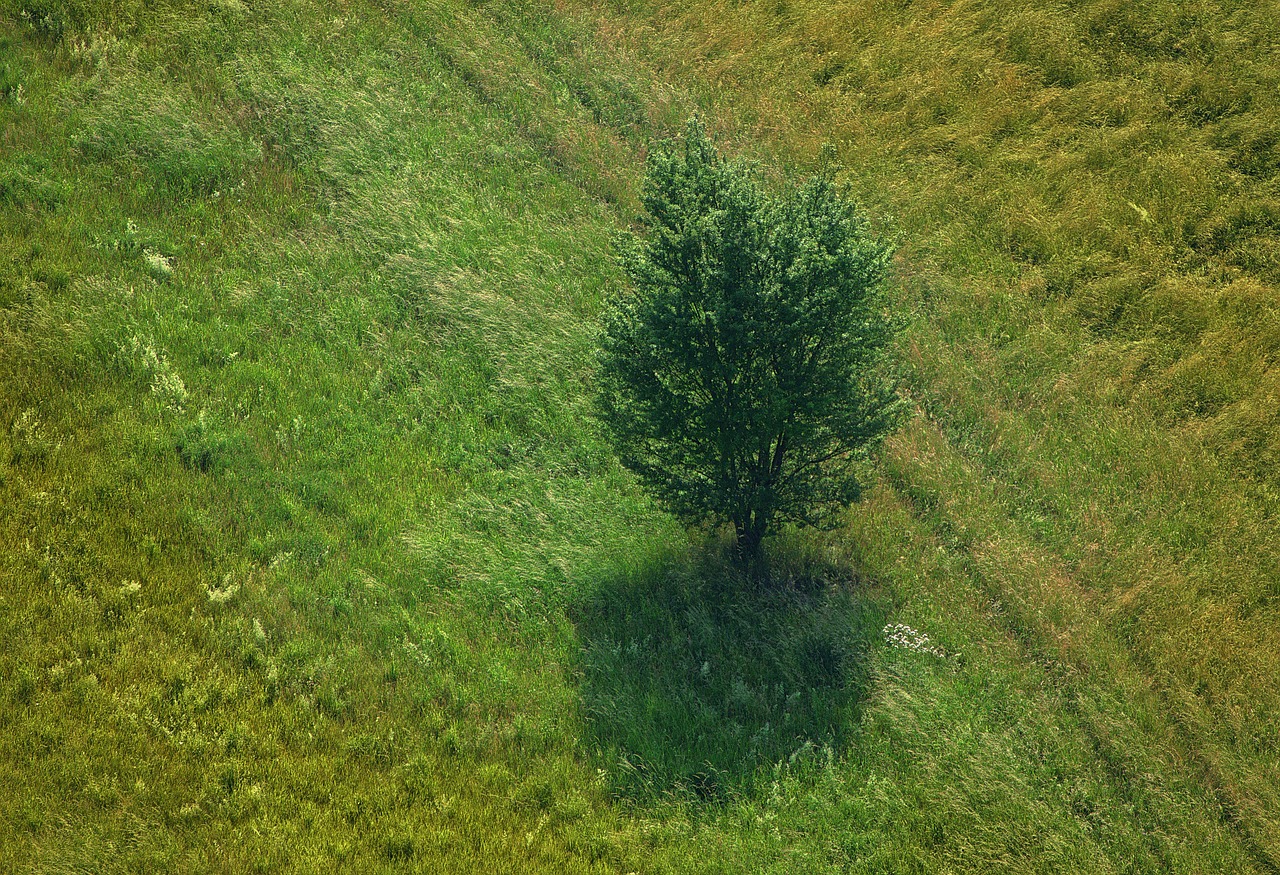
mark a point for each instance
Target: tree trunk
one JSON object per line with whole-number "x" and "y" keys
{"x": 750, "y": 540}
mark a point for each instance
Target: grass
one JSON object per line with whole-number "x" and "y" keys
{"x": 313, "y": 558}
{"x": 1073, "y": 192}
{"x": 293, "y": 437}
{"x": 693, "y": 687}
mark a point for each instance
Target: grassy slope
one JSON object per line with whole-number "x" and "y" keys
{"x": 1089, "y": 202}
{"x": 323, "y": 654}
{"x": 313, "y": 562}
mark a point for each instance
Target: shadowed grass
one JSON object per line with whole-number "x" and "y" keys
{"x": 694, "y": 683}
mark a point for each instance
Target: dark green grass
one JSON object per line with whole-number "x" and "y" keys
{"x": 694, "y": 683}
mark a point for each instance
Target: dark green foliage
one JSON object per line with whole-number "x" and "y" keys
{"x": 742, "y": 379}
{"x": 55, "y": 18}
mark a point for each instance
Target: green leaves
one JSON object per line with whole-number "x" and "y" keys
{"x": 742, "y": 378}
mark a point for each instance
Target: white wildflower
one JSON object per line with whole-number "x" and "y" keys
{"x": 220, "y": 595}
{"x": 169, "y": 390}
{"x": 166, "y": 384}
{"x": 129, "y": 587}
{"x": 902, "y": 636}
{"x": 160, "y": 265}
{"x": 415, "y": 650}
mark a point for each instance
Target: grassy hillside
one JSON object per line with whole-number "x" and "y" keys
{"x": 1088, "y": 197}
{"x": 313, "y": 559}
{"x": 296, "y": 490}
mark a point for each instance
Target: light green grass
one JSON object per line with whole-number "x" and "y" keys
{"x": 313, "y": 560}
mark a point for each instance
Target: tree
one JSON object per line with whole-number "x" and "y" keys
{"x": 741, "y": 380}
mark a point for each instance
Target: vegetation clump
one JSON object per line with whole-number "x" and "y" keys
{"x": 742, "y": 378}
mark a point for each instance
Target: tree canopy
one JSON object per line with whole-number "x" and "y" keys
{"x": 741, "y": 377}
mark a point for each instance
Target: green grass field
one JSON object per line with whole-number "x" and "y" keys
{"x": 311, "y": 557}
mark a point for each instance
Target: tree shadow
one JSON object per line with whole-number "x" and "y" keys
{"x": 694, "y": 681}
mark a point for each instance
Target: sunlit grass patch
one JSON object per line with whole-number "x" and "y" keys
{"x": 179, "y": 144}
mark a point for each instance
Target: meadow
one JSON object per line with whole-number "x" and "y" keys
{"x": 313, "y": 557}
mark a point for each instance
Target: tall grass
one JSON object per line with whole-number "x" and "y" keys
{"x": 1084, "y": 198}
{"x": 280, "y": 367}
{"x": 312, "y": 558}
{"x": 1119, "y": 160}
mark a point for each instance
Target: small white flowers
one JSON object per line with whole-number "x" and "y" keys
{"x": 902, "y": 636}
{"x": 159, "y": 265}
{"x": 167, "y": 386}
{"x": 129, "y": 587}
{"x": 415, "y": 650}
{"x": 223, "y": 594}
{"x": 169, "y": 389}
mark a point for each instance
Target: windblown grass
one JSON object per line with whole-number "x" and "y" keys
{"x": 312, "y": 560}
{"x": 1084, "y": 196}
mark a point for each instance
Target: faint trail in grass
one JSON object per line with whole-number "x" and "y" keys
{"x": 1055, "y": 624}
